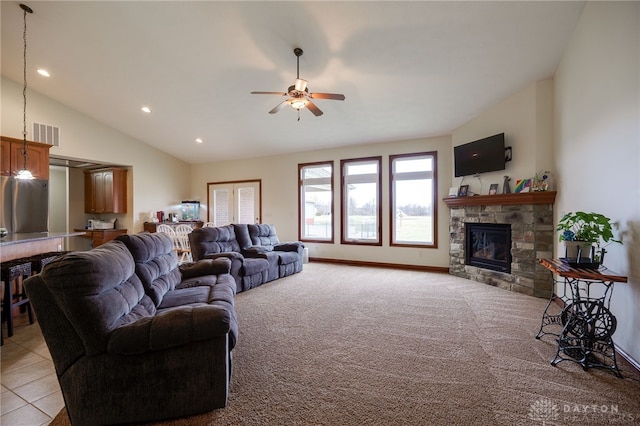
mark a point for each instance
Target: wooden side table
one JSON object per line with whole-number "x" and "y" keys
{"x": 587, "y": 323}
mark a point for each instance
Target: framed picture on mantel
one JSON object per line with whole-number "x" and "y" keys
{"x": 493, "y": 189}
{"x": 463, "y": 191}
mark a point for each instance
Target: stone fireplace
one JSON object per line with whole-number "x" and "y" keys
{"x": 529, "y": 218}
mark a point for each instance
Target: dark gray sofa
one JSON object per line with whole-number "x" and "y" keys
{"x": 132, "y": 337}
{"x": 257, "y": 255}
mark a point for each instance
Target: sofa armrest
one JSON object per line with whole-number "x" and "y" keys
{"x": 289, "y": 246}
{"x": 256, "y": 251}
{"x": 170, "y": 328}
{"x": 231, "y": 255}
{"x": 221, "y": 265}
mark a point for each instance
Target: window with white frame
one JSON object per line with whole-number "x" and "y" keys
{"x": 361, "y": 196}
{"x": 316, "y": 201}
{"x": 413, "y": 200}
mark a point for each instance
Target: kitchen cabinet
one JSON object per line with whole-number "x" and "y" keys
{"x": 12, "y": 159}
{"x": 105, "y": 191}
{"x": 101, "y": 236}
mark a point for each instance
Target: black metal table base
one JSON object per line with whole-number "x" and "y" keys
{"x": 583, "y": 328}
{"x": 553, "y": 321}
{"x": 586, "y": 336}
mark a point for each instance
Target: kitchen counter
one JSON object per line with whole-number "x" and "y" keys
{"x": 15, "y": 246}
{"x": 34, "y": 236}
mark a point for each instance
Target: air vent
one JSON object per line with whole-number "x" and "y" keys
{"x": 45, "y": 133}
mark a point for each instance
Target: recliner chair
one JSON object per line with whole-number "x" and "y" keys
{"x": 122, "y": 356}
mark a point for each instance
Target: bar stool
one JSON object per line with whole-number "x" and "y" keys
{"x": 39, "y": 261}
{"x": 12, "y": 271}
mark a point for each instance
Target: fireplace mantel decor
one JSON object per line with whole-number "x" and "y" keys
{"x": 532, "y": 237}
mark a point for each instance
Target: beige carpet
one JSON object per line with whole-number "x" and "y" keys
{"x": 340, "y": 345}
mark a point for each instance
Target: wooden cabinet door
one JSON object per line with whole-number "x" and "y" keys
{"x": 37, "y": 160}
{"x": 89, "y": 192}
{"x": 105, "y": 191}
{"x": 12, "y": 155}
{"x": 117, "y": 184}
{"x": 5, "y": 158}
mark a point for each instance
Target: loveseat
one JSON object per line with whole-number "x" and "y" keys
{"x": 133, "y": 337}
{"x": 257, "y": 255}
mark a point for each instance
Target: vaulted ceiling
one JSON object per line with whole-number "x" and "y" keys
{"x": 407, "y": 69}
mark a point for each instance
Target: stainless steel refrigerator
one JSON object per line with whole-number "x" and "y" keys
{"x": 25, "y": 205}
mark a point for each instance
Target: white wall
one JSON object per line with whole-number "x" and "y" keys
{"x": 597, "y": 134}
{"x": 526, "y": 120}
{"x": 280, "y": 197}
{"x": 156, "y": 181}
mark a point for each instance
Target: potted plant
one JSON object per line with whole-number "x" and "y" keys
{"x": 587, "y": 232}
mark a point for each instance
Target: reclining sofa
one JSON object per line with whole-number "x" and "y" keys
{"x": 133, "y": 337}
{"x": 257, "y": 255}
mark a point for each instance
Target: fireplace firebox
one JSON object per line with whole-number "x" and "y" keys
{"x": 488, "y": 246}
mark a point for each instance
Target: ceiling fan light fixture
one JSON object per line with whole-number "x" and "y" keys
{"x": 300, "y": 85}
{"x": 298, "y": 103}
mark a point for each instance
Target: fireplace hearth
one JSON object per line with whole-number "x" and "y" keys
{"x": 488, "y": 246}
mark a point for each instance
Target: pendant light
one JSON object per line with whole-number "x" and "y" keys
{"x": 24, "y": 173}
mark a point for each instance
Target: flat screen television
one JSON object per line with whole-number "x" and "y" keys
{"x": 481, "y": 156}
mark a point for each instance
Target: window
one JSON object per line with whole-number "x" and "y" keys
{"x": 316, "y": 201}
{"x": 413, "y": 199}
{"x": 361, "y": 209}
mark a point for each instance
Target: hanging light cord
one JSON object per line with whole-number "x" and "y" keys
{"x": 25, "y": 9}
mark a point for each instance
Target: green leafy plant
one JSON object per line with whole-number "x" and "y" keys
{"x": 593, "y": 228}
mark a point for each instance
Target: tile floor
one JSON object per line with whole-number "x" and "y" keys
{"x": 30, "y": 392}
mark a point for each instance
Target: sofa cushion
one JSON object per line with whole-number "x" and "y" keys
{"x": 210, "y": 240}
{"x": 287, "y": 257}
{"x": 253, "y": 266}
{"x": 263, "y": 235}
{"x": 98, "y": 291}
{"x": 156, "y": 262}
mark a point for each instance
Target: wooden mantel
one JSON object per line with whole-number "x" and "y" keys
{"x": 538, "y": 197}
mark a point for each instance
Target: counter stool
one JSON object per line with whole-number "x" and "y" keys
{"x": 39, "y": 261}
{"x": 12, "y": 272}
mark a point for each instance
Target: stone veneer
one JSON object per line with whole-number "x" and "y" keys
{"x": 532, "y": 238}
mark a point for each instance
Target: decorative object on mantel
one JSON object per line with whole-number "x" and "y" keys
{"x": 522, "y": 185}
{"x": 581, "y": 232}
{"x": 493, "y": 189}
{"x": 463, "y": 191}
{"x": 542, "y": 181}
{"x": 506, "y": 188}
{"x": 24, "y": 173}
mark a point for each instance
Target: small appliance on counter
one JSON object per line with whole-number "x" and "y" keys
{"x": 190, "y": 210}
{"x": 101, "y": 224}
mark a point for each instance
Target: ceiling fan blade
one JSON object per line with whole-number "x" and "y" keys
{"x": 314, "y": 109}
{"x": 269, "y": 93}
{"x": 280, "y": 106}
{"x": 334, "y": 96}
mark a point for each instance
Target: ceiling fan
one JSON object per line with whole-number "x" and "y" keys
{"x": 299, "y": 96}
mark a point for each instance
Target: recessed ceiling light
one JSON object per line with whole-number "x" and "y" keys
{"x": 146, "y": 109}
{"x": 44, "y": 73}
{"x": 199, "y": 140}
